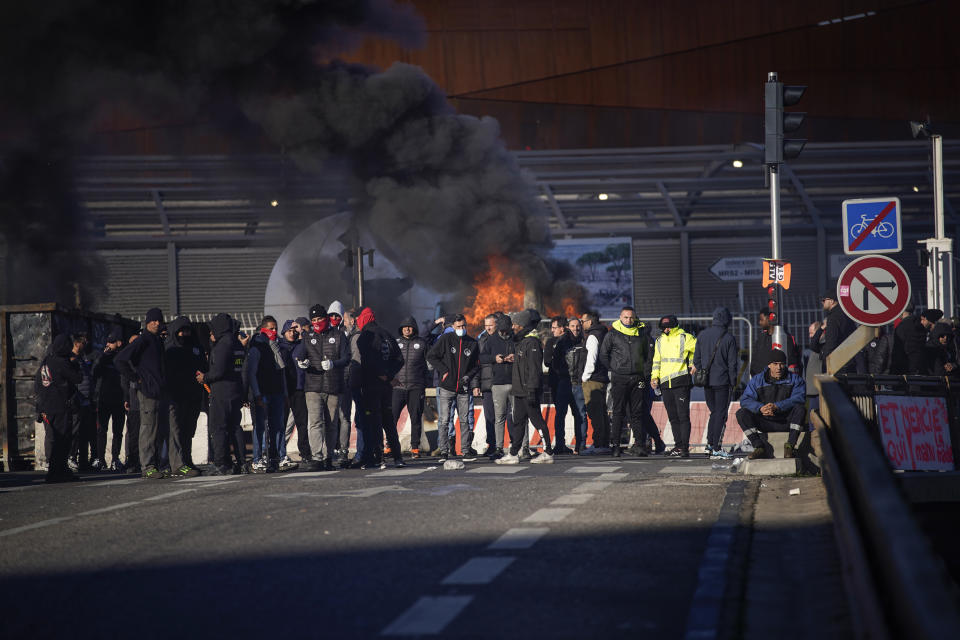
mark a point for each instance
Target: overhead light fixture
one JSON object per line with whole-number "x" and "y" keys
{"x": 916, "y": 189}
{"x": 274, "y": 203}
{"x": 602, "y": 196}
{"x": 737, "y": 164}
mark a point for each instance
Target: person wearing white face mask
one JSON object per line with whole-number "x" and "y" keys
{"x": 455, "y": 358}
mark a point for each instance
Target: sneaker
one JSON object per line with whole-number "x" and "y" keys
{"x": 508, "y": 458}
{"x": 415, "y": 453}
{"x": 470, "y": 455}
{"x": 788, "y": 450}
{"x": 152, "y": 473}
{"x": 759, "y": 453}
{"x": 185, "y": 472}
{"x": 311, "y": 465}
{"x": 543, "y": 458}
{"x": 490, "y": 450}
{"x": 638, "y": 450}
{"x": 497, "y": 454}
{"x": 287, "y": 464}
{"x": 272, "y": 466}
{"x": 525, "y": 453}
{"x": 676, "y": 452}
{"x": 437, "y": 452}
{"x": 117, "y": 466}
{"x": 441, "y": 456}
{"x": 720, "y": 454}
{"x": 562, "y": 450}
{"x": 685, "y": 453}
{"x": 398, "y": 463}
{"x": 98, "y": 465}
{"x": 259, "y": 466}
{"x": 387, "y": 451}
{"x": 660, "y": 448}
{"x": 72, "y": 465}
{"x": 383, "y": 465}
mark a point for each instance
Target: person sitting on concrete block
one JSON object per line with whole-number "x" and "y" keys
{"x": 774, "y": 400}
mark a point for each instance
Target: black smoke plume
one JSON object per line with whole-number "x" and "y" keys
{"x": 438, "y": 188}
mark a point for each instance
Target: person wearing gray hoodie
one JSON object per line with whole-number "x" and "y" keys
{"x": 718, "y": 354}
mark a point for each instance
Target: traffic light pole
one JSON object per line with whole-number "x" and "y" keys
{"x": 777, "y": 338}
{"x": 940, "y": 272}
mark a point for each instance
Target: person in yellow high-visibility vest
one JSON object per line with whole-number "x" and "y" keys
{"x": 672, "y": 376}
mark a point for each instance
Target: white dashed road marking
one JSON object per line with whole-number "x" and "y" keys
{"x": 591, "y": 487}
{"x": 497, "y": 469}
{"x": 594, "y": 469}
{"x": 114, "y": 507}
{"x": 392, "y": 473}
{"x": 35, "y": 525}
{"x": 428, "y": 615}
{"x": 548, "y": 515}
{"x": 519, "y": 538}
{"x": 478, "y": 571}
{"x": 612, "y": 477}
{"x": 576, "y": 498}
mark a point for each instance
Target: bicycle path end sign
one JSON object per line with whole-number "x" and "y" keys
{"x": 871, "y": 225}
{"x": 873, "y": 290}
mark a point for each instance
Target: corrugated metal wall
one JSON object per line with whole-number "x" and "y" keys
{"x": 230, "y": 280}
{"x": 136, "y": 281}
{"x": 657, "y": 278}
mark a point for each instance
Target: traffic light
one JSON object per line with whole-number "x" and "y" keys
{"x": 773, "y": 303}
{"x": 776, "y": 96}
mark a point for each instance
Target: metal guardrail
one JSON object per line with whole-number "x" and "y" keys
{"x": 901, "y": 571}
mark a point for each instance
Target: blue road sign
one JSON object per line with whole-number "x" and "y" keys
{"x": 871, "y": 225}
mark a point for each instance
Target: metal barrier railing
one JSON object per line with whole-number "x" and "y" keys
{"x": 901, "y": 571}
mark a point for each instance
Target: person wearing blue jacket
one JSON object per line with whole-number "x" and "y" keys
{"x": 717, "y": 349}
{"x": 774, "y": 400}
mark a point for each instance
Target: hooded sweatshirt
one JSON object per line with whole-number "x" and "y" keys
{"x": 717, "y": 338}
{"x": 182, "y": 359}
{"x": 380, "y": 358}
{"x": 226, "y": 359}
{"x": 528, "y": 366}
{"x": 143, "y": 361}
{"x": 57, "y": 378}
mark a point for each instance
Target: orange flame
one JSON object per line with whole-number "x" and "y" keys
{"x": 569, "y": 309}
{"x": 496, "y": 290}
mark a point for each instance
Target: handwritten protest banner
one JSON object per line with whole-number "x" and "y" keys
{"x": 915, "y": 432}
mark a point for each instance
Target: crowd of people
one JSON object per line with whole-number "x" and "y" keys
{"x": 309, "y": 373}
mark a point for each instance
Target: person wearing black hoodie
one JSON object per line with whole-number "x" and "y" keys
{"x": 143, "y": 361}
{"x": 941, "y": 356}
{"x": 225, "y": 382}
{"x": 716, "y": 352}
{"x": 109, "y": 396}
{"x": 411, "y": 381}
{"x": 296, "y": 399}
{"x": 625, "y": 353}
{"x": 183, "y": 359}
{"x": 55, "y": 386}
{"x": 526, "y": 388}
{"x": 380, "y": 360}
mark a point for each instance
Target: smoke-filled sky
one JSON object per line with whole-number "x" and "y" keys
{"x": 438, "y": 186}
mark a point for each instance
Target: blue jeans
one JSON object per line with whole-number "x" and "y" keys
{"x": 579, "y": 408}
{"x": 268, "y": 427}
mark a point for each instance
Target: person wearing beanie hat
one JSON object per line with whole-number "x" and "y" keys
{"x": 932, "y": 316}
{"x": 142, "y": 361}
{"x": 295, "y": 413}
{"x": 323, "y": 355}
{"x": 526, "y": 389}
{"x": 224, "y": 379}
{"x": 672, "y": 374}
{"x": 774, "y": 400}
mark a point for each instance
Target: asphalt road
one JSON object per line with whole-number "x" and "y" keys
{"x": 584, "y": 548}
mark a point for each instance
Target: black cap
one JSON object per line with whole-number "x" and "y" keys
{"x": 318, "y": 311}
{"x": 154, "y": 314}
{"x": 669, "y": 322}
{"x": 932, "y": 315}
{"x": 777, "y": 356}
{"x": 115, "y": 335}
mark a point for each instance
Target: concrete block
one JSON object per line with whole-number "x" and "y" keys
{"x": 771, "y": 467}
{"x": 779, "y": 438}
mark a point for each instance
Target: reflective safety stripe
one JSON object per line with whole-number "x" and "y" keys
{"x": 672, "y": 359}
{"x": 671, "y": 376}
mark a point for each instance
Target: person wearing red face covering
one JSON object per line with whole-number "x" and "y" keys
{"x": 323, "y": 354}
{"x": 264, "y": 378}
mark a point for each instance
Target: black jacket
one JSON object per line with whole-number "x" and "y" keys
{"x": 227, "y": 356}
{"x": 555, "y": 357}
{"x": 290, "y": 370}
{"x": 626, "y": 357}
{"x": 939, "y": 355}
{"x": 528, "y": 366}
{"x": 576, "y": 359}
{"x": 108, "y": 383}
{"x": 332, "y": 344}
{"x": 880, "y": 354}
{"x": 717, "y": 338}
{"x": 379, "y": 354}
{"x": 413, "y": 373}
{"x": 839, "y": 326}
{"x": 490, "y": 348}
{"x": 762, "y": 347}
{"x": 142, "y": 360}
{"x": 909, "y": 347}
{"x": 182, "y": 360}
{"x": 57, "y": 378}
{"x": 456, "y": 361}
{"x": 263, "y": 370}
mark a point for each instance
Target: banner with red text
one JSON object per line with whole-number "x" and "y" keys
{"x": 915, "y": 432}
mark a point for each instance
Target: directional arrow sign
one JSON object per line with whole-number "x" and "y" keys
{"x": 738, "y": 269}
{"x": 873, "y": 290}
